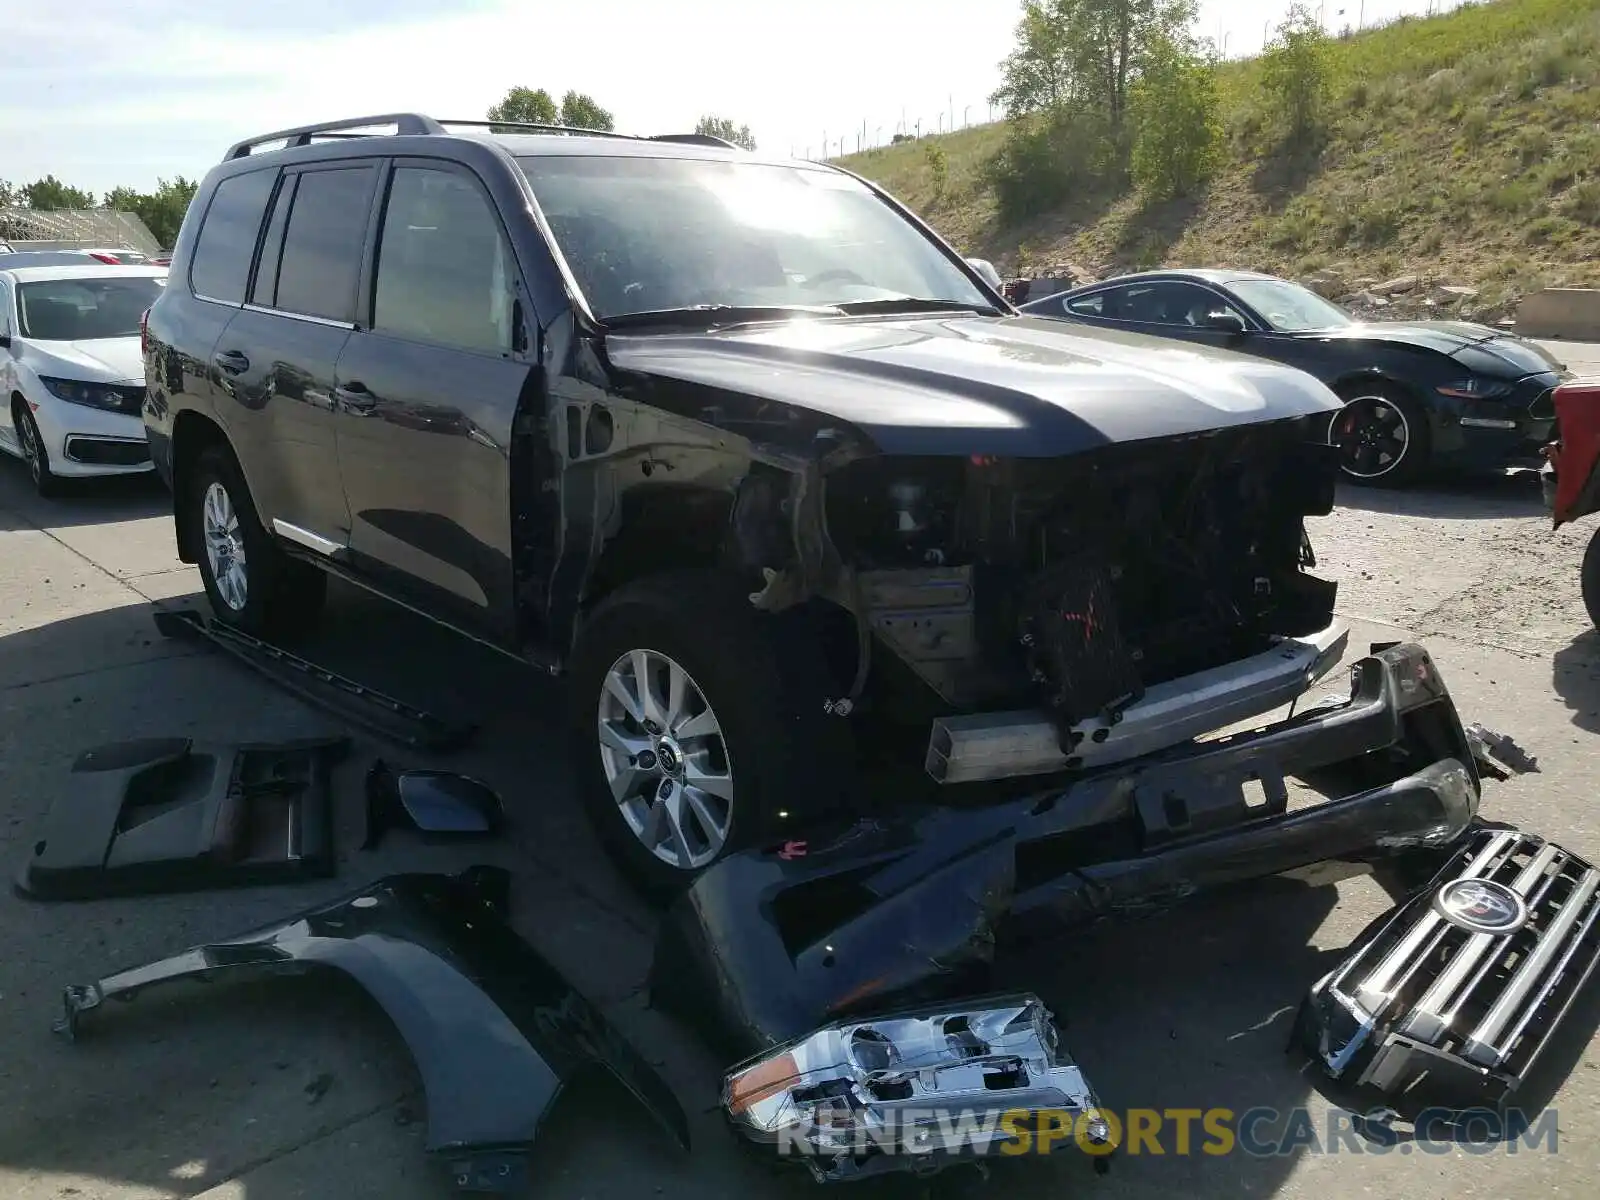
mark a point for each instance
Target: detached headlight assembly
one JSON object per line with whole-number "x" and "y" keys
{"x": 90, "y": 395}
{"x": 916, "y": 1090}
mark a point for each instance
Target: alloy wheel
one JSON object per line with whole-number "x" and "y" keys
{"x": 225, "y": 552}
{"x": 32, "y": 453}
{"x": 666, "y": 759}
{"x": 1373, "y": 436}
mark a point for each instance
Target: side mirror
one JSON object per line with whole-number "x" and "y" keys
{"x": 986, "y": 268}
{"x": 1227, "y": 322}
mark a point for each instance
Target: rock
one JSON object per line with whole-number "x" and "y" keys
{"x": 1327, "y": 283}
{"x": 1399, "y": 285}
{"x": 1454, "y": 293}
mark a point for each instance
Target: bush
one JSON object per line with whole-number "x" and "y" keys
{"x": 1177, "y": 132}
{"x": 1295, "y": 72}
{"x": 1052, "y": 157}
{"x": 938, "y": 167}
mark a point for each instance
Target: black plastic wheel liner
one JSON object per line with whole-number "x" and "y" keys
{"x": 495, "y": 1030}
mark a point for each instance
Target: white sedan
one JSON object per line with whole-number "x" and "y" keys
{"x": 71, "y": 373}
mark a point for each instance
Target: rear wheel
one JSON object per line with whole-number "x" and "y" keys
{"x": 251, "y": 583}
{"x": 698, "y": 727}
{"x": 45, "y": 481}
{"x": 1382, "y": 436}
{"x": 1589, "y": 579}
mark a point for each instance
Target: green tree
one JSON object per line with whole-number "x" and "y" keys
{"x": 10, "y": 194}
{"x": 938, "y": 167}
{"x": 50, "y": 193}
{"x": 1177, "y": 129}
{"x": 724, "y": 128}
{"x": 527, "y": 106}
{"x": 1295, "y": 71}
{"x": 579, "y": 111}
{"x": 1084, "y": 54}
{"x": 162, "y": 210}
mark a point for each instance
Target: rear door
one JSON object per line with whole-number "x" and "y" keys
{"x": 428, "y": 389}
{"x": 275, "y": 361}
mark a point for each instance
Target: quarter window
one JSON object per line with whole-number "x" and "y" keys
{"x": 322, "y": 245}
{"x": 227, "y": 240}
{"x": 444, "y": 267}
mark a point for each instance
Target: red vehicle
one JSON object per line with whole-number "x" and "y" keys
{"x": 1571, "y": 474}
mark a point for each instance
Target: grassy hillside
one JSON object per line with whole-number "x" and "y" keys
{"x": 1463, "y": 147}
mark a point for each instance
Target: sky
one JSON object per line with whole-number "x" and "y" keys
{"x": 124, "y": 92}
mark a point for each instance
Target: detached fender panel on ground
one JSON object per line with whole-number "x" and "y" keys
{"x": 495, "y": 1029}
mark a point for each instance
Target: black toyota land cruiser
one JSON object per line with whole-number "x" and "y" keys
{"x": 743, "y": 449}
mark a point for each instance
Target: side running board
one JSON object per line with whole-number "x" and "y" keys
{"x": 372, "y": 710}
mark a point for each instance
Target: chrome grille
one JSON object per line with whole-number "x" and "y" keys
{"x": 1427, "y": 995}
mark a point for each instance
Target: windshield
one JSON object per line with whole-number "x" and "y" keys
{"x": 74, "y": 310}
{"x": 649, "y": 234}
{"x": 1288, "y": 307}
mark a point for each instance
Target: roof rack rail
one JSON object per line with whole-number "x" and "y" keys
{"x": 695, "y": 139}
{"x": 301, "y": 135}
{"x": 536, "y": 127}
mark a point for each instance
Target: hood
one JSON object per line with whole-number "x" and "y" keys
{"x": 1017, "y": 386}
{"x": 1519, "y": 355}
{"x": 96, "y": 360}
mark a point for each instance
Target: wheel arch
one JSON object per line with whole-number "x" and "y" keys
{"x": 192, "y": 434}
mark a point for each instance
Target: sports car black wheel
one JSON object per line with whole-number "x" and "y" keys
{"x": 1589, "y": 579}
{"x": 1382, "y": 436}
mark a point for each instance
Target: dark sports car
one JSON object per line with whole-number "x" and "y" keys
{"x": 1417, "y": 393}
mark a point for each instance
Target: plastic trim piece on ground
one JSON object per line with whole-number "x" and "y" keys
{"x": 167, "y": 815}
{"x": 495, "y": 1030}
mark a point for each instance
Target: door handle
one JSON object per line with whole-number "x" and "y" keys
{"x": 232, "y": 362}
{"x": 354, "y": 397}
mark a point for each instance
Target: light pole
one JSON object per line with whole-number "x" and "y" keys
{"x": 877, "y": 136}
{"x": 966, "y": 116}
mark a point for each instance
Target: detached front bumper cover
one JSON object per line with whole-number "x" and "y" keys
{"x": 769, "y": 944}
{"x": 495, "y": 1030}
{"x": 1452, "y": 999}
{"x": 916, "y": 1090}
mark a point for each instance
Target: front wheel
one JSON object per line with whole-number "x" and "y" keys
{"x": 1589, "y": 579}
{"x": 45, "y": 481}
{"x": 698, "y": 727}
{"x": 1382, "y": 436}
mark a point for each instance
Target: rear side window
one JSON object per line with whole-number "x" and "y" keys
{"x": 227, "y": 241}
{"x": 323, "y": 242}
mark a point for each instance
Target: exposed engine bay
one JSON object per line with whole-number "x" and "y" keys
{"x": 1074, "y": 584}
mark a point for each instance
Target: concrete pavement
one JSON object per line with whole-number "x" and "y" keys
{"x": 208, "y": 1096}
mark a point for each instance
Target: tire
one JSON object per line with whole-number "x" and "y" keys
{"x": 1589, "y": 579}
{"x": 45, "y": 482}
{"x": 280, "y": 597}
{"x": 766, "y": 759}
{"x": 1390, "y": 409}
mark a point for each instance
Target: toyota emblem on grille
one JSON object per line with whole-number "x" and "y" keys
{"x": 1481, "y": 906}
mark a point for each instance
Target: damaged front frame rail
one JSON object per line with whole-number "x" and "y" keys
{"x": 769, "y": 944}
{"x": 494, "y": 1028}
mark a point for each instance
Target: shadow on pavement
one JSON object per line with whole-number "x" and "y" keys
{"x": 1469, "y": 498}
{"x": 83, "y": 501}
{"x": 1575, "y": 674}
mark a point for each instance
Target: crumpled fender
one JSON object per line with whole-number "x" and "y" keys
{"x": 495, "y": 1030}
